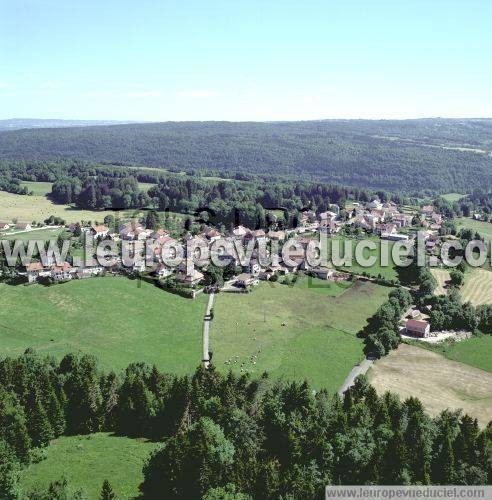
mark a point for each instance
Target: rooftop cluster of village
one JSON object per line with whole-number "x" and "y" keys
{"x": 383, "y": 220}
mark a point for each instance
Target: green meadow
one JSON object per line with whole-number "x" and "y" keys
{"x": 118, "y": 320}
{"x": 484, "y": 228}
{"x": 86, "y": 461}
{"x": 294, "y": 331}
{"x": 475, "y": 351}
{"x": 382, "y": 248}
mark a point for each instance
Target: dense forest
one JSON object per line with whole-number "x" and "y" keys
{"x": 414, "y": 156}
{"x": 227, "y": 433}
{"x": 231, "y": 201}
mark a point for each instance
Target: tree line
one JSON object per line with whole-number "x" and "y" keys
{"x": 222, "y": 433}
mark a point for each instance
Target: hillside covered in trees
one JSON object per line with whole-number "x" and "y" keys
{"x": 414, "y": 155}
{"x": 256, "y": 438}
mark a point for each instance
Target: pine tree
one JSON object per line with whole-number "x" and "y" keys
{"x": 444, "y": 466}
{"x": 107, "y": 491}
{"x": 9, "y": 473}
{"x": 39, "y": 425}
{"x": 56, "y": 414}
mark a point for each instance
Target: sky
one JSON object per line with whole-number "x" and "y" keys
{"x": 238, "y": 60}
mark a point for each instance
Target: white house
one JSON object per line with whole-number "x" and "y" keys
{"x": 375, "y": 204}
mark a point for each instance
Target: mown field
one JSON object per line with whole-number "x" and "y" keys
{"x": 86, "y": 461}
{"x": 296, "y": 332}
{"x": 37, "y": 208}
{"x": 484, "y": 228}
{"x": 117, "y": 319}
{"x": 438, "y": 382}
{"x": 477, "y": 287}
{"x": 442, "y": 278}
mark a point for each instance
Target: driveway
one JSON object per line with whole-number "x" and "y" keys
{"x": 357, "y": 370}
{"x": 206, "y": 330}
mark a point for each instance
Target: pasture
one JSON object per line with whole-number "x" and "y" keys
{"x": 295, "y": 332}
{"x": 484, "y": 228}
{"x": 475, "y": 351}
{"x": 86, "y": 461}
{"x": 438, "y": 382}
{"x": 38, "y": 188}
{"x": 145, "y": 186}
{"x": 118, "y": 320}
{"x": 382, "y": 248}
{"x": 452, "y": 197}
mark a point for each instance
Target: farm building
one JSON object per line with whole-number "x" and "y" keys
{"x": 246, "y": 279}
{"x": 323, "y": 273}
{"x": 419, "y": 328}
{"x": 4, "y": 225}
{"x": 100, "y": 231}
{"x": 23, "y": 226}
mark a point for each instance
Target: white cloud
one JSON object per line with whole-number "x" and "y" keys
{"x": 197, "y": 94}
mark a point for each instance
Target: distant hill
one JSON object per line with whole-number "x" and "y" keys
{"x": 20, "y": 123}
{"x": 411, "y": 155}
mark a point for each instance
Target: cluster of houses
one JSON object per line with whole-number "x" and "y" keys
{"x": 59, "y": 272}
{"x": 184, "y": 274}
{"x": 383, "y": 219}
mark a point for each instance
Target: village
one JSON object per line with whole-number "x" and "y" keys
{"x": 381, "y": 220}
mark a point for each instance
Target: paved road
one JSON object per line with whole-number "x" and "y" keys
{"x": 356, "y": 371}
{"x": 206, "y": 330}
{"x": 13, "y": 233}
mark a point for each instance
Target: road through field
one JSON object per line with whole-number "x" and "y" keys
{"x": 206, "y": 330}
{"x": 357, "y": 370}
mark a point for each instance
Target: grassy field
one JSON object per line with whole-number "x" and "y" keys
{"x": 438, "y": 382}
{"x": 112, "y": 318}
{"x": 38, "y": 208}
{"x": 388, "y": 272}
{"x": 298, "y": 332}
{"x": 475, "y": 351}
{"x": 452, "y": 197}
{"x": 442, "y": 278}
{"x": 38, "y": 188}
{"x": 484, "y": 228}
{"x": 86, "y": 461}
{"x": 36, "y": 234}
{"x": 477, "y": 287}
{"x": 145, "y": 186}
